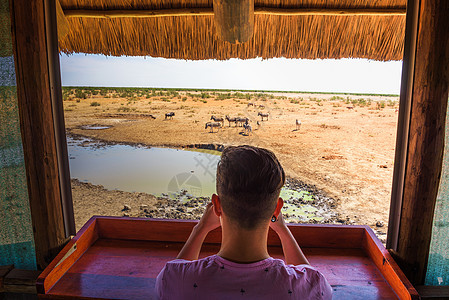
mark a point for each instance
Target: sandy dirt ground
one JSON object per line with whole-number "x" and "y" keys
{"x": 344, "y": 146}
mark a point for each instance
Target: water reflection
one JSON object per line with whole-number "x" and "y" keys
{"x": 141, "y": 169}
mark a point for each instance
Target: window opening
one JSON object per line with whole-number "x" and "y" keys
{"x": 127, "y": 157}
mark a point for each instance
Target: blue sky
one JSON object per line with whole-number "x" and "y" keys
{"x": 344, "y": 75}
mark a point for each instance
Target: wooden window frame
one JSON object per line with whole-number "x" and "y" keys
{"x": 36, "y": 51}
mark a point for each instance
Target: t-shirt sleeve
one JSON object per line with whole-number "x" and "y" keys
{"x": 325, "y": 287}
{"x": 160, "y": 283}
{"x": 161, "y": 279}
{"x": 319, "y": 288}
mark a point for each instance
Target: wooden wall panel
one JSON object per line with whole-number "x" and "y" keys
{"x": 426, "y": 139}
{"x": 36, "y": 121}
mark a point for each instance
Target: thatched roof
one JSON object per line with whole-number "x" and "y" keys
{"x": 378, "y": 37}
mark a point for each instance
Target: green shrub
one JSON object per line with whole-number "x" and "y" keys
{"x": 80, "y": 94}
{"x": 94, "y": 104}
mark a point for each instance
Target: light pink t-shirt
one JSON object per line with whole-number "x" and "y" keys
{"x": 216, "y": 278}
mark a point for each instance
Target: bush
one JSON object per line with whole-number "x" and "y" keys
{"x": 80, "y": 94}
{"x": 94, "y": 104}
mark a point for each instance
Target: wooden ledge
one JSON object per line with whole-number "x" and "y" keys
{"x": 433, "y": 292}
{"x": 4, "y": 270}
{"x": 17, "y": 280}
{"x": 111, "y": 254}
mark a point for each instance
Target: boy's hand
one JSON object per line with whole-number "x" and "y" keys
{"x": 209, "y": 221}
{"x": 279, "y": 226}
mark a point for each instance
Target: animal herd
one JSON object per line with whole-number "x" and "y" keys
{"x": 237, "y": 121}
{"x": 218, "y": 122}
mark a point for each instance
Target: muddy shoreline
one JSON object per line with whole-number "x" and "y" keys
{"x": 99, "y": 142}
{"x": 90, "y": 199}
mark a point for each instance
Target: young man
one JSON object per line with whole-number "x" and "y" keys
{"x": 249, "y": 181}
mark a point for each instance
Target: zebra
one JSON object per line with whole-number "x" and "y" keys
{"x": 240, "y": 121}
{"x": 247, "y": 128}
{"x": 263, "y": 115}
{"x": 169, "y": 115}
{"x": 298, "y": 124}
{"x": 217, "y": 119}
{"x": 231, "y": 120}
{"x": 212, "y": 125}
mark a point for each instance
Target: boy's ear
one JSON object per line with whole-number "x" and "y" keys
{"x": 279, "y": 206}
{"x": 217, "y": 205}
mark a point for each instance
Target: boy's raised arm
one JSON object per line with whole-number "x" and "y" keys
{"x": 292, "y": 252}
{"x": 208, "y": 222}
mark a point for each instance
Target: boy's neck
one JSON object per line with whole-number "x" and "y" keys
{"x": 243, "y": 246}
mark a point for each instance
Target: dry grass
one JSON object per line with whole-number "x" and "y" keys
{"x": 194, "y": 37}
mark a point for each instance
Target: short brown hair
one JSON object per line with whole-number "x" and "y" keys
{"x": 249, "y": 180}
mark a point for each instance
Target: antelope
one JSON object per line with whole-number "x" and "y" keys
{"x": 217, "y": 119}
{"x": 298, "y": 124}
{"x": 231, "y": 120}
{"x": 261, "y": 106}
{"x": 250, "y": 104}
{"x": 263, "y": 115}
{"x": 212, "y": 125}
{"x": 169, "y": 115}
{"x": 247, "y": 128}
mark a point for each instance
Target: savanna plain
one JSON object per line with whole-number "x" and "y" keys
{"x": 343, "y": 148}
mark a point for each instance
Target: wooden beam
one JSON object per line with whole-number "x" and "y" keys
{"x": 234, "y": 20}
{"x": 426, "y": 139}
{"x": 330, "y": 11}
{"x": 112, "y": 13}
{"x": 52, "y": 17}
{"x": 190, "y": 12}
{"x": 37, "y": 127}
{"x": 403, "y": 129}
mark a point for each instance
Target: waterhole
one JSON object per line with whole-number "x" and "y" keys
{"x": 175, "y": 174}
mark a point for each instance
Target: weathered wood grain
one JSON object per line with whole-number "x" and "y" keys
{"x": 234, "y": 20}
{"x": 36, "y": 122}
{"x": 426, "y": 139}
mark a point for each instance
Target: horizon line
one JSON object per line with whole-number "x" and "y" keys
{"x": 232, "y": 90}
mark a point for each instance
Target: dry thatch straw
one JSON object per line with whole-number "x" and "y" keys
{"x": 193, "y": 37}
